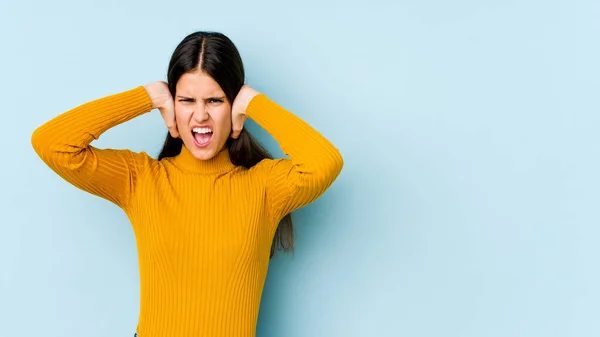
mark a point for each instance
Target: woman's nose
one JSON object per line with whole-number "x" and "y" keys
{"x": 201, "y": 114}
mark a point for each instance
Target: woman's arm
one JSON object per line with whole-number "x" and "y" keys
{"x": 313, "y": 164}
{"x": 63, "y": 143}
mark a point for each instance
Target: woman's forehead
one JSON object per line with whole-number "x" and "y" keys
{"x": 198, "y": 84}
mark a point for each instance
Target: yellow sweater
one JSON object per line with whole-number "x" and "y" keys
{"x": 203, "y": 228}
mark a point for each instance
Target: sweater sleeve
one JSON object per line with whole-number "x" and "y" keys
{"x": 313, "y": 164}
{"x": 63, "y": 143}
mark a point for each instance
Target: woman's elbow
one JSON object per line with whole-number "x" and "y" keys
{"x": 39, "y": 141}
{"x": 337, "y": 163}
{"x": 331, "y": 167}
{"x": 46, "y": 144}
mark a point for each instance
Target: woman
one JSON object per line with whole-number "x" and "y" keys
{"x": 209, "y": 211}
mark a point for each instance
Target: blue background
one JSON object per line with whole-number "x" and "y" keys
{"x": 469, "y": 200}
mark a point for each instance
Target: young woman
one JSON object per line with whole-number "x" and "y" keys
{"x": 209, "y": 211}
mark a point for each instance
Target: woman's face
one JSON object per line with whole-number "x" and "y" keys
{"x": 203, "y": 114}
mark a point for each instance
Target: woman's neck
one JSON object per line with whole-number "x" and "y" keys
{"x": 220, "y": 163}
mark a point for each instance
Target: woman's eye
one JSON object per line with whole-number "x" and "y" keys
{"x": 210, "y": 100}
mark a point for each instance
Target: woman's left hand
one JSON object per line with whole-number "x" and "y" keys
{"x": 238, "y": 109}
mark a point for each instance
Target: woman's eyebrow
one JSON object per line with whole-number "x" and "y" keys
{"x": 211, "y": 97}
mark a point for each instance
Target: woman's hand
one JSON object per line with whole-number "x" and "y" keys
{"x": 161, "y": 99}
{"x": 238, "y": 109}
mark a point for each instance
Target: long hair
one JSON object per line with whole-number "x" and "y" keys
{"x": 216, "y": 55}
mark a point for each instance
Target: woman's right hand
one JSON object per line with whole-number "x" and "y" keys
{"x": 163, "y": 101}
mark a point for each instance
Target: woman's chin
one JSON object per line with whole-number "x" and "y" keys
{"x": 204, "y": 153}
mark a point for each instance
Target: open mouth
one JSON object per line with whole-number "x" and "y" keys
{"x": 202, "y": 136}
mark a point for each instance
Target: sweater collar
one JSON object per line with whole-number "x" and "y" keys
{"x": 220, "y": 163}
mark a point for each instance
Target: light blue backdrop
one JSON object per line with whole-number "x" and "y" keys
{"x": 469, "y": 204}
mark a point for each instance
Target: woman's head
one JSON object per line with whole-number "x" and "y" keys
{"x": 205, "y": 75}
{"x": 202, "y": 113}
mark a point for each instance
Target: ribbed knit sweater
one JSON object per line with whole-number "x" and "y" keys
{"x": 203, "y": 229}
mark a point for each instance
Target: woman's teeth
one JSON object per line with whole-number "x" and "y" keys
{"x": 202, "y": 130}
